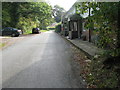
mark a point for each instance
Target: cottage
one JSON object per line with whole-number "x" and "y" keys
{"x": 73, "y": 25}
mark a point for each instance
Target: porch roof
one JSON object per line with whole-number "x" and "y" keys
{"x": 75, "y": 17}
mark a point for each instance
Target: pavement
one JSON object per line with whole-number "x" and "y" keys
{"x": 88, "y": 48}
{"x": 40, "y": 61}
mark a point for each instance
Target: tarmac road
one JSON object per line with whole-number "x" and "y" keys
{"x": 39, "y": 61}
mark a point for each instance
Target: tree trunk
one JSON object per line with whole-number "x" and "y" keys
{"x": 118, "y": 30}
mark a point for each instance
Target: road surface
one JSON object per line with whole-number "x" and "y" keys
{"x": 40, "y": 61}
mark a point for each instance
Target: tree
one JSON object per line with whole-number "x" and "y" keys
{"x": 58, "y": 12}
{"x": 26, "y": 15}
{"x": 105, "y": 17}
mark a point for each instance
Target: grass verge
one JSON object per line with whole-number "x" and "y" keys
{"x": 97, "y": 72}
{"x": 44, "y": 30}
{"x": 2, "y": 45}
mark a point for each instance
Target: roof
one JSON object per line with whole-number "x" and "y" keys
{"x": 75, "y": 17}
{"x": 71, "y": 12}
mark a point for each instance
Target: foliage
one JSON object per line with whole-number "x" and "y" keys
{"x": 44, "y": 30}
{"x": 101, "y": 76}
{"x": 103, "y": 18}
{"x": 26, "y": 15}
{"x": 58, "y": 12}
{"x": 58, "y": 28}
{"x": 51, "y": 28}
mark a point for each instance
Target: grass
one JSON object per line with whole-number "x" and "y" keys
{"x": 2, "y": 45}
{"x": 44, "y": 30}
{"x": 30, "y": 32}
{"x": 27, "y": 32}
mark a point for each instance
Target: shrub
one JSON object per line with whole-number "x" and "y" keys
{"x": 58, "y": 28}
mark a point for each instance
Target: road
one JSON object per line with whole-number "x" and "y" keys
{"x": 40, "y": 61}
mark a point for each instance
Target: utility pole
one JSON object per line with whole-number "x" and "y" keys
{"x": 89, "y": 27}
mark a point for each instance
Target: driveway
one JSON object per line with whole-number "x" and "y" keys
{"x": 40, "y": 61}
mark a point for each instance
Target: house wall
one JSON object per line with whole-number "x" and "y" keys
{"x": 71, "y": 11}
{"x": 73, "y": 29}
{"x": 81, "y": 32}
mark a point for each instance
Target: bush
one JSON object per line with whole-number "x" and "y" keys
{"x": 51, "y": 28}
{"x": 58, "y": 28}
{"x": 104, "y": 73}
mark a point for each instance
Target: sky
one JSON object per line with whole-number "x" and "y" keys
{"x": 66, "y": 4}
